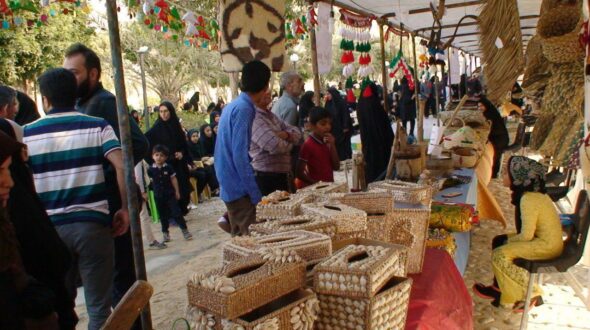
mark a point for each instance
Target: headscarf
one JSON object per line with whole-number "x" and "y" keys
{"x": 526, "y": 175}
{"x": 207, "y": 143}
{"x": 212, "y": 116}
{"x": 168, "y": 133}
{"x": 498, "y": 133}
{"x": 305, "y": 103}
{"x": 27, "y": 109}
{"x": 194, "y": 149}
{"x": 9, "y": 146}
{"x": 376, "y": 134}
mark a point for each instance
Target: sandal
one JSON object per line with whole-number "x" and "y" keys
{"x": 486, "y": 292}
{"x": 535, "y": 302}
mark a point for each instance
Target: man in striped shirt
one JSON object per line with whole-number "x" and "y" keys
{"x": 67, "y": 153}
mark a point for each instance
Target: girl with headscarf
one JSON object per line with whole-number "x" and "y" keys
{"x": 538, "y": 237}
{"x": 407, "y": 106}
{"x": 168, "y": 131}
{"x": 305, "y": 104}
{"x": 498, "y": 136}
{"x": 340, "y": 122}
{"x": 207, "y": 141}
{"x": 205, "y": 175}
{"x": 376, "y": 133}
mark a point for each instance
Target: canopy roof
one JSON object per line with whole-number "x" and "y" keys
{"x": 416, "y": 16}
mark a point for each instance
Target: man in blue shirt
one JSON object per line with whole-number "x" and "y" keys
{"x": 236, "y": 177}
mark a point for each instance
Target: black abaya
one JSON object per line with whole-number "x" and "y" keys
{"x": 340, "y": 121}
{"x": 376, "y": 134}
{"x": 498, "y": 136}
{"x": 170, "y": 134}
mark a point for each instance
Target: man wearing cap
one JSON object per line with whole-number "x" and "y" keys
{"x": 236, "y": 177}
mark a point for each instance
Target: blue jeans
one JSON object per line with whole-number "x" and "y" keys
{"x": 92, "y": 249}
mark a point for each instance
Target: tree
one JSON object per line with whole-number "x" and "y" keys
{"x": 25, "y": 52}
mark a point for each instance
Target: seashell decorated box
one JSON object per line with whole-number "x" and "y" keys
{"x": 240, "y": 287}
{"x": 360, "y": 270}
{"x": 348, "y": 219}
{"x": 405, "y": 192}
{"x": 302, "y": 222}
{"x": 298, "y": 310}
{"x": 280, "y": 204}
{"x": 409, "y": 227}
{"x": 281, "y": 247}
{"x": 375, "y": 201}
{"x": 388, "y": 309}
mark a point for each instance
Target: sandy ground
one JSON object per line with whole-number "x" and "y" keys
{"x": 169, "y": 269}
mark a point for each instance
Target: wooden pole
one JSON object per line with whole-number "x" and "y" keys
{"x": 417, "y": 91}
{"x": 123, "y": 117}
{"x": 383, "y": 66}
{"x": 450, "y": 83}
{"x": 314, "y": 67}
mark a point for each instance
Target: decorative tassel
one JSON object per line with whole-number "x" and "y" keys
{"x": 350, "y": 98}
{"x": 368, "y": 92}
{"x": 349, "y": 83}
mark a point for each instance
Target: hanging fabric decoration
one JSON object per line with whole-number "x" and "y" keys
{"x": 312, "y": 18}
{"x": 399, "y": 63}
{"x": 356, "y": 28}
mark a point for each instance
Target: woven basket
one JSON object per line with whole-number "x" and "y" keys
{"x": 324, "y": 188}
{"x": 348, "y": 219}
{"x": 310, "y": 246}
{"x": 255, "y": 281}
{"x": 387, "y": 310}
{"x": 286, "y": 207}
{"x": 565, "y": 48}
{"x": 294, "y": 311}
{"x": 405, "y": 192}
{"x": 409, "y": 227}
{"x": 302, "y": 222}
{"x": 375, "y": 201}
{"x": 359, "y": 270}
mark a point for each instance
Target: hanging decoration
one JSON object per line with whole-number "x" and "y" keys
{"x": 29, "y": 13}
{"x": 399, "y": 63}
{"x": 165, "y": 16}
{"x": 356, "y": 29}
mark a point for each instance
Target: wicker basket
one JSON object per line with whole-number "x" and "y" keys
{"x": 302, "y": 222}
{"x": 311, "y": 247}
{"x": 409, "y": 228}
{"x": 359, "y": 270}
{"x": 348, "y": 219}
{"x": 324, "y": 188}
{"x": 375, "y": 201}
{"x": 285, "y": 207}
{"x": 255, "y": 282}
{"x": 387, "y": 310}
{"x": 405, "y": 192}
{"x": 297, "y": 310}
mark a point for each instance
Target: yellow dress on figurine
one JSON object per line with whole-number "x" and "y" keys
{"x": 540, "y": 238}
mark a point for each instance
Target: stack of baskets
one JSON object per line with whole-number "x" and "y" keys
{"x": 257, "y": 292}
{"x": 302, "y": 222}
{"x": 285, "y": 205}
{"x": 363, "y": 287}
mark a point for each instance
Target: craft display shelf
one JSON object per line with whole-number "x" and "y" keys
{"x": 311, "y": 247}
{"x": 302, "y": 222}
{"x": 360, "y": 270}
{"x": 239, "y": 287}
{"x": 405, "y": 192}
{"x": 388, "y": 309}
{"x": 288, "y": 206}
{"x": 297, "y": 310}
{"x": 349, "y": 220}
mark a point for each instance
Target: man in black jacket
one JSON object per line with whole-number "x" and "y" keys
{"x": 96, "y": 101}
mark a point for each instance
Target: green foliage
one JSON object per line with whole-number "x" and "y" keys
{"x": 190, "y": 120}
{"x": 27, "y": 52}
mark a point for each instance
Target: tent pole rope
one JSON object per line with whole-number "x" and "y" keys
{"x": 417, "y": 91}
{"x": 383, "y": 66}
{"x": 125, "y": 131}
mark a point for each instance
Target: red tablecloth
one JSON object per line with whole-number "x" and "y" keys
{"x": 439, "y": 298}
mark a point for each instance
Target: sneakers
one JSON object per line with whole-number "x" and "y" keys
{"x": 187, "y": 236}
{"x": 155, "y": 245}
{"x": 166, "y": 237}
